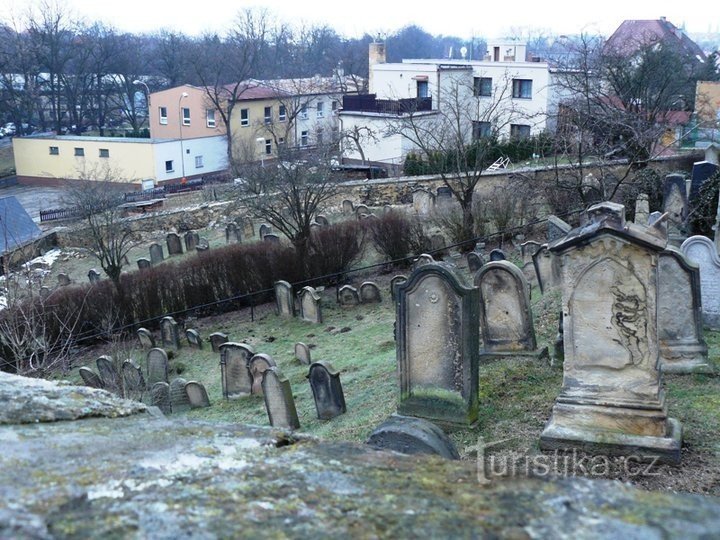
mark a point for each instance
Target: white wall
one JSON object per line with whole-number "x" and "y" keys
{"x": 212, "y": 149}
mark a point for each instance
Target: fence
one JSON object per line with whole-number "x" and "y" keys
{"x": 58, "y": 213}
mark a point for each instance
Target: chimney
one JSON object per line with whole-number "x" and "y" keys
{"x": 376, "y": 55}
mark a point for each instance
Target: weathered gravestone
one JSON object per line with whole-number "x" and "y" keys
{"x": 271, "y": 238}
{"x": 279, "y": 402}
{"x": 527, "y": 251}
{"x": 347, "y": 207}
{"x": 497, "y": 255}
{"x": 394, "y": 282}
{"x": 444, "y": 197}
{"x": 93, "y": 275}
{"x": 327, "y": 390}
{"x": 248, "y": 227}
{"x": 178, "y": 396}
{"x": 682, "y": 347}
{"x": 109, "y": 375}
{"x": 145, "y": 337}
{"x": 174, "y": 244}
{"x": 310, "y": 308}
{"x": 422, "y": 260}
{"x": 505, "y": 316}
{"x": 302, "y": 353}
{"x": 264, "y": 229}
{"x": 157, "y": 366}
{"x": 437, "y": 346}
{"x": 216, "y": 339}
{"x": 423, "y": 202}
{"x": 642, "y": 209}
{"x": 701, "y": 171}
{"x": 192, "y": 240}
{"x": 232, "y": 234}
{"x": 197, "y": 395}
{"x": 160, "y": 397}
{"x": 361, "y": 209}
{"x": 63, "y": 279}
{"x": 322, "y": 220}
{"x": 547, "y": 269}
{"x": 348, "y": 296}
{"x": 611, "y": 400}
{"x": 474, "y": 261}
{"x": 193, "y": 338}
{"x": 370, "y": 293}
{"x": 90, "y": 378}
{"x": 133, "y": 380}
{"x": 156, "y": 254}
{"x": 170, "y": 332}
{"x": 409, "y": 435}
{"x": 701, "y": 251}
{"x": 143, "y": 264}
{"x": 235, "y": 369}
{"x": 284, "y": 304}
{"x": 675, "y": 203}
{"x": 437, "y": 245}
{"x": 556, "y": 228}
{"x": 258, "y": 365}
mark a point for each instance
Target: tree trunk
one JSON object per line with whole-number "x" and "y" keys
{"x": 468, "y": 224}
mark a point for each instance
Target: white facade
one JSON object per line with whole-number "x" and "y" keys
{"x": 200, "y": 156}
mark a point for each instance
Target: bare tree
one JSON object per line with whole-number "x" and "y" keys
{"x": 356, "y": 137}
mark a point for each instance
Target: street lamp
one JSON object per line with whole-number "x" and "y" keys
{"x": 261, "y": 140}
{"x": 182, "y": 148}
{"x": 147, "y": 96}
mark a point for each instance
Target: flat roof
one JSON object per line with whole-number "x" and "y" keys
{"x": 80, "y": 138}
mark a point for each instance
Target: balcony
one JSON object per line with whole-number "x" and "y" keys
{"x": 370, "y": 103}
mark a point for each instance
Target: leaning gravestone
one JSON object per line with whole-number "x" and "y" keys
{"x": 133, "y": 380}
{"x": 348, "y": 296}
{"x": 146, "y": 339}
{"x": 505, "y": 317}
{"x": 327, "y": 390}
{"x": 527, "y": 251}
{"x": 216, "y": 339}
{"x": 556, "y": 228}
{"x": 284, "y": 305}
{"x": 682, "y": 347}
{"x": 675, "y": 203}
{"x": 109, "y": 375}
{"x": 192, "y": 239}
{"x": 232, "y": 234}
{"x": 143, "y": 264}
{"x": 258, "y": 365}
{"x": 347, "y": 207}
{"x": 370, "y": 293}
{"x": 474, "y": 261}
{"x": 394, "y": 282}
{"x": 156, "y": 254}
{"x": 193, "y": 338}
{"x": 90, "y": 378}
{"x": 547, "y": 269}
{"x": 701, "y": 251}
{"x": 197, "y": 395}
{"x": 302, "y": 353}
{"x": 157, "y": 366}
{"x": 170, "y": 332}
{"x": 160, "y": 397}
{"x": 423, "y": 202}
{"x": 178, "y": 396}
{"x": 437, "y": 346}
{"x": 174, "y": 244}
{"x": 63, "y": 279}
{"x": 279, "y": 402}
{"x": 412, "y": 436}
{"x": 497, "y": 255}
{"x": 93, "y": 276}
{"x": 235, "y": 370}
{"x": 310, "y": 309}
{"x": 611, "y": 401}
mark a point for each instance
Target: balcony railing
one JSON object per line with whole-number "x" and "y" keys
{"x": 370, "y": 103}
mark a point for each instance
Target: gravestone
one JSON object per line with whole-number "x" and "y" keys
{"x": 675, "y": 203}
{"x": 271, "y": 238}
{"x": 348, "y": 296}
{"x": 658, "y": 220}
{"x": 156, "y": 254}
{"x": 234, "y": 369}
{"x": 216, "y": 339}
{"x": 264, "y": 229}
{"x": 370, "y": 293}
{"x": 45, "y": 291}
{"x": 322, "y": 220}
{"x": 157, "y": 366}
{"x": 327, "y": 390}
{"x": 315, "y": 226}
{"x": 310, "y": 308}
{"x": 423, "y": 202}
{"x": 284, "y": 303}
{"x": 146, "y": 339}
{"x": 143, "y": 264}
{"x": 170, "y": 332}
{"x": 258, "y": 365}
{"x": 680, "y": 332}
{"x": 437, "y": 244}
{"x": 178, "y": 396}
{"x": 547, "y": 269}
{"x": 556, "y": 228}
{"x": 409, "y": 435}
{"x": 422, "y": 260}
{"x": 642, "y": 209}
{"x": 527, "y": 251}
{"x": 474, "y": 261}
{"x": 437, "y": 343}
{"x": 394, "y": 282}
{"x": 302, "y": 353}
{"x": 347, "y": 207}
{"x": 90, "y": 378}
{"x": 279, "y": 402}
{"x": 202, "y": 248}
{"x": 193, "y": 338}
{"x": 93, "y": 275}
{"x": 444, "y": 197}
{"x": 232, "y": 234}
{"x": 248, "y": 227}
{"x": 701, "y": 251}
{"x": 197, "y": 395}
{"x": 611, "y": 401}
{"x": 133, "y": 380}
{"x": 109, "y": 375}
{"x": 361, "y": 209}
{"x": 701, "y": 171}
{"x": 63, "y": 279}
{"x": 497, "y": 255}
{"x": 160, "y": 397}
{"x": 192, "y": 240}
{"x": 174, "y": 244}
{"x": 505, "y": 317}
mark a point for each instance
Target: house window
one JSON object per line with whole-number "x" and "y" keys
{"x": 304, "y": 138}
{"x": 268, "y": 115}
{"x": 244, "y": 117}
{"x": 105, "y": 152}
{"x": 319, "y": 136}
{"x": 199, "y": 162}
{"x": 268, "y": 147}
{"x": 303, "y": 112}
{"x": 210, "y": 118}
{"x": 481, "y": 130}
{"x": 333, "y": 105}
{"x": 522, "y": 88}
{"x": 320, "y": 109}
{"x": 281, "y": 142}
{"x": 80, "y": 152}
{"x": 422, "y": 89}
{"x": 163, "y": 115}
{"x": 186, "y": 116}
{"x": 482, "y": 86}
{"x": 519, "y": 131}
{"x": 335, "y": 134}
{"x": 54, "y": 151}
{"x": 169, "y": 165}
{"x": 282, "y": 113}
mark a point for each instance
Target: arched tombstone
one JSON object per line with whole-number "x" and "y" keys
{"x": 547, "y": 269}
{"x": 90, "y": 378}
{"x": 216, "y": 339}
{"x": 437, "y": 343}
{"x": 422, "y": 260}
{"x": 193, "y": 338}
{"x": 232, "y": 234}
{"x": 701, "y": 251}
{"x": 347, "y": 207}
{"x": 322, "y": 220}
{"x": 497, "y": 255}
{"x": 348, "y": 296}
{"x": 505, "y": 317}
{"x": 361, "y": 209}
{"x": 310, "y": 308}
{"x": 370, "y": 293}
{"x": 423, "y": 201}
{"x": 133, "y": 380}
{"x": 394, "y": 282}
{"x": 675, "y": 204}
{"x": 93, "y": 275}
{"x": 258, "y": 365}
{"x": 412, "y": 436}
{"x": 157, "y": 366}
{"x": 264, "y": 229}
{"x": 192, "y": 240}
{"x": 160, "y": 397}
{"x": 284, "y": 303}
{"x": 474, "y": 261}
{"x": 178, "y": 396}
{"x": 145, "y": 337}
{"x": 197, "y": 395}
{"x": 156, "y": 254}
{"x": 235, "y": 369}
{"x": 327, "y": 390}
{"x": 271, "y": 238}
{"x": 279, "y": 402}
{"x": 63, "y": 279}
{"x": 109, "y": 375}
{"x": 170, "y": 332}
{"x": 174, "y": 244}
{"x": 302, "y": 353}
{"x": 143, "y": 263}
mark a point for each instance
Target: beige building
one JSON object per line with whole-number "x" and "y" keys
{"x": 707, "y": 103}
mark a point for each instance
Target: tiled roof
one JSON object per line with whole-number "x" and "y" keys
{"x": 631, "y": 35}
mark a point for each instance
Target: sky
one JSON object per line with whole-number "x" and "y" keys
{"x": 464, "y": 19}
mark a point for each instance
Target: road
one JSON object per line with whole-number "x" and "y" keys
{"x": 35, "y": 198}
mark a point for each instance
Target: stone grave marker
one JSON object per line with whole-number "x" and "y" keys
{"x": 170, "y": 332}
{"x": 327, "y": 390}
{"x": 556, "y": 228}
{"x": 63, "y": 279}
{"x": 348, "y": 296}
{"x": 505, "y": 317}
{"x": 361, "y": 209}
{"x": 178, "y": 396}
{"x": 315, "y": 226}
{"x": 322, "y": 220}
{"x": 193, "y": 338}
{"x": 284, "y": 302}
{"x": 474, "y": 261}
{"x": 642, "y": 209}
{"x": 682, "y": 346}
{"x": 497, "y": 255}
{"x": 264, "y": 229}
{"x": 547, "y": 269}
{"x": 145, "y": 337}
{"x": 437, "y": 344}
{"x": 93, "y": 276}
{"x": 232, "y": 234}
{"x": 271, "y": 238}
{"x": 701, "y": 251}
{"x": 109, "y": 375}
{"x": 422, "y": 260}
{"x": 248, "y": 227}
{"x": 444, "y": 197}
{"x": 611, "y": 399}
{"x": 409, "y": 435}
{"x": 202, "y": 248}
{"x": 174, "y": 244}
{"x": 394, "y": 282}
{"x": 258, "y": 365}
{"x": 347, "y": 207}
{"x": 157, "y": 366}
{"x": 279, "y": 402}
{"x": 160, "y": 397}
{"x": 423, "y": 202}
{"x": 658, "y": 220}
{"x": 192, "y": 240}
{"x": 370, "y": 293}
{"x": 527, "y": 251}
{"x": 310, "y": 308}
{"x": 216, "y": 339}
{"x": 235, "y": 369}
{"x": 143, "y": 263}
{"x": 156, "y": 254}
{"x": 302, "y": 353}
{"x": 90, "y": 378}
{"x": 701, "y": 171}
{"x": 437, "y": 244}
{"x": 133, "y": 380}
{"x": 675, "y": 203}
{"x": 197, "y": 395}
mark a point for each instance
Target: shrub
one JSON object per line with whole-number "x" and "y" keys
{"x": 337, "y": 247}
{"x": 396, "y": 235}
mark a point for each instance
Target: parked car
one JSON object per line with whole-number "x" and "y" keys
{"x": 10, "y": 128}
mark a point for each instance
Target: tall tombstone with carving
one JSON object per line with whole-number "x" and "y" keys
{"x": 170, "y": 332}
{"x": 279, "y": 401}
{"x": 701, "y": 251}
{"x": 156, "y": 253}
{"x": 157, "y": 366}
{"x": 437, "y": 343}
{"x": 284, "y": 303}
{"x": 675, "y": 203}
{"x": 192, "y": 240}
{"x": 109, "y": 375}
{"x": 547, "y": 269}
{"x": 611, "y": 399}
{"x": 235, "y": 369}
{"x": 310, "y": 308}
{"x": 174, "y": 244}
{"x": 327, "y": 390}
